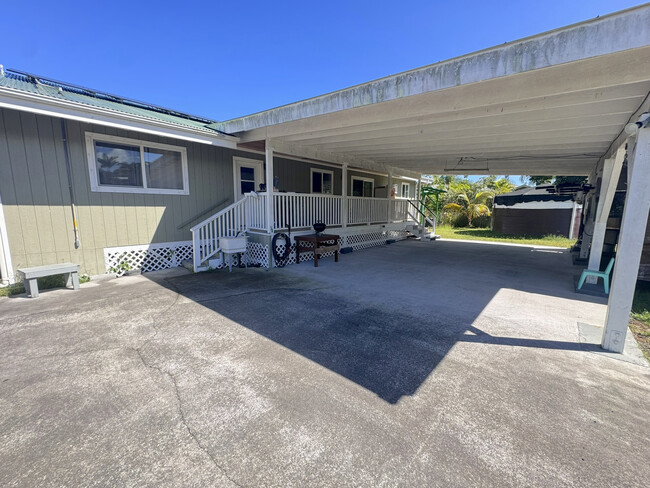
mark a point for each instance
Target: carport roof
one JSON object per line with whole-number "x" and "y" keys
{"x": 553, "y": 103}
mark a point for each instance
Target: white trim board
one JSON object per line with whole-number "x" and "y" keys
{"x": 237, "y": 162}
{"x": 408, "y": 190}
{"x": 365, "y": 180}
{"x": 311, "y": 180}
{"x": 90, "y": 137}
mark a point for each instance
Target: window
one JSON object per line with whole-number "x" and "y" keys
{"x": 118, "y": 164}
{"x": 322, "y": 181}
{"x": 362, "y": 187}
{"x": 405, "y": 190}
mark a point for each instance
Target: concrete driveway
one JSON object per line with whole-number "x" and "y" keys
{"x": 415, "y": 364}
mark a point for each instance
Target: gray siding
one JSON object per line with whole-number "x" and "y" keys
{"x": 36, "y": 201}
{"x": 295, "y": 176}
{"x": 380, "y": 182}
{"x": 399, "y": 181}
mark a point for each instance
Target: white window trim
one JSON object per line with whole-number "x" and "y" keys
{"x": 361, "y": 178}
{"x": 311, "y": 180}
{"x": 408, "y": 190}
{"x": 94, "y": 178}
{"x": 259, "y": 175}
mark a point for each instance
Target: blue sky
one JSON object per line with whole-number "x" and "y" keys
{"x": 227, "y": 59}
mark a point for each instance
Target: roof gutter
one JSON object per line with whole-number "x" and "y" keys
{"x": 38, "y": 104}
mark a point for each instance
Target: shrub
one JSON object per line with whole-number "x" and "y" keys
{"x": 481, "y": 221}
{"x": 460, "y": 220}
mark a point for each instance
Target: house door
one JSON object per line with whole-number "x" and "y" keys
{"x": 248, "y": 176}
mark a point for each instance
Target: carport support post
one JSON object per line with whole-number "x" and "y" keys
{"x": 389, "y": 189}
{"x": 611, "y": 174}
{"x": 269, "y": 194}
{"x": 344, "y": 195}
{"x": 630, "y": 246}
{"x": 588, "y": 217}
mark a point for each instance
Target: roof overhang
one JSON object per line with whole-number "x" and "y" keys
{"x": 554, "y": 103}
{"x": 34, "y": 103}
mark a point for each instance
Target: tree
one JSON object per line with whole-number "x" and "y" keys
{"x": 496, "y": 186}
{"x": 554, "y": 180}
{"x": 472, "y": 206}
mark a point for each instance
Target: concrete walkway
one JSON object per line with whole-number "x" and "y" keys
{"x": 415, "y": 364}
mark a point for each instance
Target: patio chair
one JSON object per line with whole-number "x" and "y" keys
{"x": 598, "y": 274}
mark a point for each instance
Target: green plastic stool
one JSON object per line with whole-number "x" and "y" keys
{"x": 598, "y": 274}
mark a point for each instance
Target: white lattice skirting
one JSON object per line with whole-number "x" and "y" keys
{"x": 153, "y": 257}
{"x": 149, "y": 257}
{"x": 166, "y": 255}
{"x": 355, "y": 241}
{"x": 257, "y": 253}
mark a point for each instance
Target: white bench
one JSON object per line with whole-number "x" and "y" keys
{"x": 31, "y": 274}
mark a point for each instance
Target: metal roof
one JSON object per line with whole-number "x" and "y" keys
{"x": 25, "y": 82}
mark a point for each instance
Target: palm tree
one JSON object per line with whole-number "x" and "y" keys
{"x": 471, "y": 207}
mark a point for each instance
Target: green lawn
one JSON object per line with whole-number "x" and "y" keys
{"x": 448, "y": 232}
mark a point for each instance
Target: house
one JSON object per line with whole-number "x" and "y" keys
{"x": 537, "y": 211}
{"x": 114, "y": 184}
{"x": 111, "y": 183}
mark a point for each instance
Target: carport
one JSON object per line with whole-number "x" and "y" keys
{"x": 572, "y": 101}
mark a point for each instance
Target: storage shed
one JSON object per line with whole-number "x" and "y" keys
{"x": 536, "y": 211}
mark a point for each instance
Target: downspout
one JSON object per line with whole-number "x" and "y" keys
{"x": 64, "y": 134}
{"x": 6, "y": 267}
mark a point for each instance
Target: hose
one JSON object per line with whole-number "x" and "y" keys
{"x": 281, "y": 259}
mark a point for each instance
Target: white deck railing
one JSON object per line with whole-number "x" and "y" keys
{"x": 303, "y": 210}
{"x": 256, "y": 211}
{"x": 364, "y": 210}
{"x": 247, "y": 213}
{"x": 401, "y": 210}
{"x": 297, "y": 210}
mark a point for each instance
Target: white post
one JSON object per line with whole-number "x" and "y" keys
{"x": 270, "y": 225}
{"x": 588, "y": 216}
{"x": 389, "y": 189}
{"x": 268, "y": 210}
{"x": 611, "y": 175}
{"x": 344, "y": 196}
{"x": 630, "y": 244}
{"x": 588, "y": 228}
{"x": 418, "y": 196}
{"x": 573, "y": 219}
{"x": 196, "y": 252}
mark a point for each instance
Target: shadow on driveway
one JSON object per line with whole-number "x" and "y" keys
{"x": 340, "y": 317}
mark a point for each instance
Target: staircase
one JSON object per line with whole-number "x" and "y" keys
{"x": 422, "y": 221}
{"x": 236, "y": 219}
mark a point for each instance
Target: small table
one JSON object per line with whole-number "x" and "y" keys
{"x": 322, "y": 244}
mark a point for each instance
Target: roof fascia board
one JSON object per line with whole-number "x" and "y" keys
{"x": 28, "y": 102}
{"x": 596, "y": 37}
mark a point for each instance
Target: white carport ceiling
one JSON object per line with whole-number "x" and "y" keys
{"x": 550, "y": 104}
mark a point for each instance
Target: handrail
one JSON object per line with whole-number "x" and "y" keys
{"x": 427, "y": 219}
{"x": 229, "y": 222}
{"x": 189, "y": 221}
